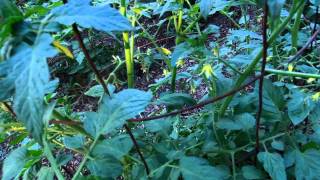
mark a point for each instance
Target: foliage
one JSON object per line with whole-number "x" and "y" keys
{"x": 205, "y": 126}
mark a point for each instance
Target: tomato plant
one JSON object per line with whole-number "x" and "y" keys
{"x": 164, "y": 89}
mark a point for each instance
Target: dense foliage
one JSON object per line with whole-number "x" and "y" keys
{"x": 232, "y": 93}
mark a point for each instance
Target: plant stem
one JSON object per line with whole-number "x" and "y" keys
{"x": 191, "y": 25}
{"x": 51, "y": 159}
{"x": 295, "y": 28}
{"x": 263, "y": 66}
{"x": 229, "y": 17}
{"x": 88, "y": 57}
{"x": 293, "y": 74}
{"x": 86, "y": 157}
{"x": 112, "y": 74}
{"x": 173, "y": 79}
{"x": 255, "y": 61}
{"x": 178, "y": 24}
{"x": 229, "y": 66}
{"x": 234, "y": 173}
{"x": 200, "y": 105}
{"x": 153, "y": 42}
{"x": 127, "y": 49}
{"x": 315, "y": 24}
{"x": 138, "y": 149}
{"x": 301, "y": 51}
{"x": 9, "y": 109}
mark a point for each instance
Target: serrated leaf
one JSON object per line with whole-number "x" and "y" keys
{"x": 278, "y": 145}
{"x": 98, "y": 91}
{"x": 107, "y": 167}
{"x": 9, "y": 15}
{"x": 176, "y": 100}
{"x": 95, "y": 91}
{"x": 159, "y": 126}
{"x": 102, "y": 18}
{"x": 181, "y": 51}
{"x": 315, "y": 2}
{"x": 243, "y": 121}
{"x": 45, "y": 173}
{"x": 26, "y": 76}
{"x": 307, "y": 164}
{"x": 299, "y": 107}
{"x": 251, "y": 172}
{"x": 205, "y": 7}
{"x": 194, "y": 168}
{"x": 114, "y": 111}
{"x": 273, "y": 164}
{"x": 170, "y": 5}
{"x": 212, "y": 29}
{"x": 116, "y": 147}
{"x": 273, "y": 101}
{"x": 8, "y": 9}
{"x": 14, "y": 163}
{"x": 74, "y": 142}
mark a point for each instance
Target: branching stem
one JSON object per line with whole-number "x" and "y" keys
{"x": 263, "y": 66}
{"x": 104, "y": 85}
{"x": 249, "y": 70}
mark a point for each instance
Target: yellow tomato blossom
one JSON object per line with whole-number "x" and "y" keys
{"x": 207, "y": 71}
{"x": 166, "y": 72}
{"x": 310, "y": 80}
{"x": 316, "y": 96}
{"x": 290, "y": 67}
{"x": 180, "y": 63}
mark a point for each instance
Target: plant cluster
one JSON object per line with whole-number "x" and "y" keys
{"x": 240, "y": 102}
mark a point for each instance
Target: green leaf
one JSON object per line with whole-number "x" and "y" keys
{"x": 273, "y": 164}
{"x": 275, "y": 7}
{"x": 113, "y": 112}
{"x": 14, "y": 163}
{"x": 278, "y": 145}
{"x": 45, "y": 173}
{"x": 243, "y": 121}
{"x": 299, "y": 107}
{"x": 315, "y": 2}
{"x": 102, "y": 18}
{"x": 74, "y": 142}
{"x": 307, "y": 164}
{"x": 194, "y": 168}
{"x": 9, "y": 15}
{"x": 8, "y": 9}
{"x": 107, "y": 155}
{"x": 176, "y": 100}
{"x": 205, "y": 7}
{"x": 181, "y": 51}
{"x": 273, "y": 101}
{"x": 162, "y": 126}
{"x": 251, "y": 172}
{"x": 98, "y": 91}
{"x": 107, "y": 167}
{"x": 242, "y": 35}
{"x": 170, "y": 5}
{"x": 95, "y": 91}
{"x": 26, "y": 76}
{"x": 116, "y": 147}
{"x": 212, "y": 29}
